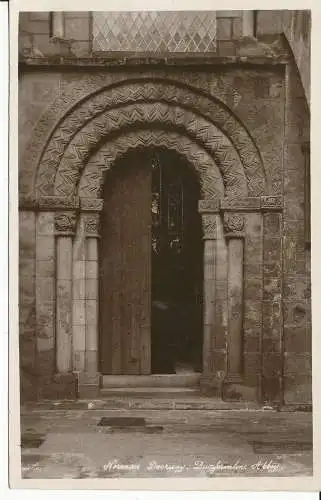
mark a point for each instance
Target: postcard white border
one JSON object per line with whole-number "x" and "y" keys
{"x": 195, "y": 484}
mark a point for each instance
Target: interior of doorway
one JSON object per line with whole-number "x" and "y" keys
{"x": 176, "y": 266}
{"x": 151, "y": 266}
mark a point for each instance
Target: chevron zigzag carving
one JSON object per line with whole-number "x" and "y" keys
{"x": 92, "y": 180}
{"x": 211, "y": 138}
{"x": 136, "y": 93}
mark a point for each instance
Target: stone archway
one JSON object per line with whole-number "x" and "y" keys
{"x": 212, "y": 184}
{"x": 178, "y": 99}
{"x": 88, "y": 142}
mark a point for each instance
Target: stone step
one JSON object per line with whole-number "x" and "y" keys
{"x": 166, "y": 400}
{"x": 175, "y": 380}
{"x": 151, "y": 391}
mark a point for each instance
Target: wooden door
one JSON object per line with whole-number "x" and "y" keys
{"x": 125, "y": 273}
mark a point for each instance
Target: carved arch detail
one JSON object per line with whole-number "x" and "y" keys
{"x": 92, "y": 179}
{"x": 153, "y": 115}
{"x": 205, "y": 108}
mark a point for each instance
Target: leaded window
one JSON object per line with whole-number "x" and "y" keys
{"x": 154, "y": 32}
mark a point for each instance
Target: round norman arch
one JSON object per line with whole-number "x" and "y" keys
{"x": 103, "y": 128}
{"x": 171, "y": 104}
{"x": 92, "y": 179}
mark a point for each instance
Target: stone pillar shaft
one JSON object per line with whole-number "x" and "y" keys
{"x": 58, "y": 28}
{"x": 209, "y": 302}
{"x": 64, "y": 304}
{"x": 89, "y": 379}
{"x": 64, "y": 228}
{"x": 91, "y": 357}
{"x": 233, "y": 226}
{"x": 209, "y": 210}
{"x": 248, "y": 23}
{"x": 235, "y": 306}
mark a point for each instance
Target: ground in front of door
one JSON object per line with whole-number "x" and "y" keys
{"x": 68, "y": 440}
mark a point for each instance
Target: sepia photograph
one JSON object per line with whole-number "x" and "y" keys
{"x": 164, "y": 244}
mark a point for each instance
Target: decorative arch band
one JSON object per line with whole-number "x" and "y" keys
{"x": 148, "y": 115}
{"x": 92, "y": 179}
{"x": 173, "y": 97}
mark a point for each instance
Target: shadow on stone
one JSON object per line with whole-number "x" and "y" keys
{"x": 31, "y": 440}
{"x": 122, "y": 422}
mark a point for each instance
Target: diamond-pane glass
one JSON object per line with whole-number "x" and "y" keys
{"x": 154, "y": 31}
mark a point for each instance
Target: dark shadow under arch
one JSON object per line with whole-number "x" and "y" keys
{"x": 170, "y": 268}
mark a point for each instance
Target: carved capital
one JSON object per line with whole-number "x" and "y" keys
{"x": 209, "y": 226}
{"x": 233, "y": 225}
{"x": 65, "y": 223}
{"x": 92, "y": 225}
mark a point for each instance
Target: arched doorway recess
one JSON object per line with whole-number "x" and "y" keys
{"x": 151, "y": 266}
{"x": 88, "y": 144}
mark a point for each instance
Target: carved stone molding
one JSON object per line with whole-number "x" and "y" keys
{"x": 65, "y": 223}
{"x": 92, "y": 225}
{"x": 209, "y": 226}
{"x": 271, "y": 202}
{"x": 208, "y": 206}
{"x": 242, "y": 204}
{"x": 58, "y": 203}
{"x": 28, "y": 202}
{"x": 129, "y": 92}
{"x": 167, "y": 117}
{"x": 233, "y": 225}
{"x": 48, "y": 203}
{"x": 91, "y": 204}
{"x": 92, "y": 180}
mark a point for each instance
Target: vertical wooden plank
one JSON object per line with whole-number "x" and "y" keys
{"x": 145, "y": 310}
{"x": 125, "y": 273}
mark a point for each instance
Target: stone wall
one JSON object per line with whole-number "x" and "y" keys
{"x": 35, "y": 32}
{"x": 296, "y": 25}
{"x": 27, "y": 305}
{"x": 296, "y": 252}
{"x": 269, "y": 101}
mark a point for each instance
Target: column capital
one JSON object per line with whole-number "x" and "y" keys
{"x": 233, "y": 225}
{"x": 209, "y": 225}
{"x": 92, "y": 225}
{"x": 65, "y": 223}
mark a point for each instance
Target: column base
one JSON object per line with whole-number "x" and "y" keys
{"x": 88, "y": 385}
{"x": 59, "y": 386}
{"x": 211, "y": 385}
{"x": 234, "y": 389}
{"x": 62, "y": 46}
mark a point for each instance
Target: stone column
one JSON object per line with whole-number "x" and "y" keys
{"x": 208, "y": 211}
{"x": 274, "y": 325}
{"x": 64, "y": 228}
{"x": 89, "y": 380}
{"x": 233, "y": 227}
{"x": 58, "y": 28}
{"x": 61, "y": 43}
{"x": 248, "y": 23}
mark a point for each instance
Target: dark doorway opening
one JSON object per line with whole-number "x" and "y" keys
{"x": 176, "y": 266}
{"x": 151, "y": 267}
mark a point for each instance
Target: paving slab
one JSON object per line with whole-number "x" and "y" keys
{"x": 70, "y": 443}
